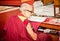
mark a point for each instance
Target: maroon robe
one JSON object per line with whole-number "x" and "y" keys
{"x": 16, "y": 31}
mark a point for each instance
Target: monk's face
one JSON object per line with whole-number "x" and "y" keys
{"x": 27, "y": 10}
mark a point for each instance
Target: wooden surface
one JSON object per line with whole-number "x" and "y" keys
{"x": 56, "y": 5}
{"x": 10, "y": 3}
{"x": 45, "y": 2}
{"x": 54, "y": 37}
{"x": 51, "y": 25}
{"x": 56, "y": 2}
{"x": 14, "y": 2}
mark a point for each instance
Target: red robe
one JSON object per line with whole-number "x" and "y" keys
{"x": 16, "y": 31}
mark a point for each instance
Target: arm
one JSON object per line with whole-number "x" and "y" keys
{"x": 31, "y": 32}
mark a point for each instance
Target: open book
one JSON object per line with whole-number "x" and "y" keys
{"x": 37, "y": 19}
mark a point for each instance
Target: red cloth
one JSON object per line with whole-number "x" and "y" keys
{"x": 35, "y": 25}
{"x": 16, "y": 30}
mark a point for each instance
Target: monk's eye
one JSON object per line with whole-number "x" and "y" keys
{"x": 29, "y": 11}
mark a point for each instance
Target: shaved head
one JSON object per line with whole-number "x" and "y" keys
{"x": 26, "y": 6}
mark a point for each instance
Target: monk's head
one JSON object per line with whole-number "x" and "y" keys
{"x": 27, "y": 9}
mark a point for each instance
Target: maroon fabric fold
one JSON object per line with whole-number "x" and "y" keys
{"x": 16, "y": 30}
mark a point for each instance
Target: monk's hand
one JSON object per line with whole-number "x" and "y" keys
{"x": 31, "y": 32}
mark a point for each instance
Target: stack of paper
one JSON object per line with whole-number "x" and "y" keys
{"x": 37, "y": 19}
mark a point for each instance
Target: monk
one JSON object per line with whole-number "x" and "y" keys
{"x": 18, "y": 28}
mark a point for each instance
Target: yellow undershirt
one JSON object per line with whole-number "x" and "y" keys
{"x": 22, "y": 17}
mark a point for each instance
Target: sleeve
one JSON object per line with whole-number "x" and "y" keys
{"x": 11, "y": 30}
{"x": 35, "y": 25}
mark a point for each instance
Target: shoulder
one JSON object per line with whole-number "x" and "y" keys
{"x": 13, "y": 17}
